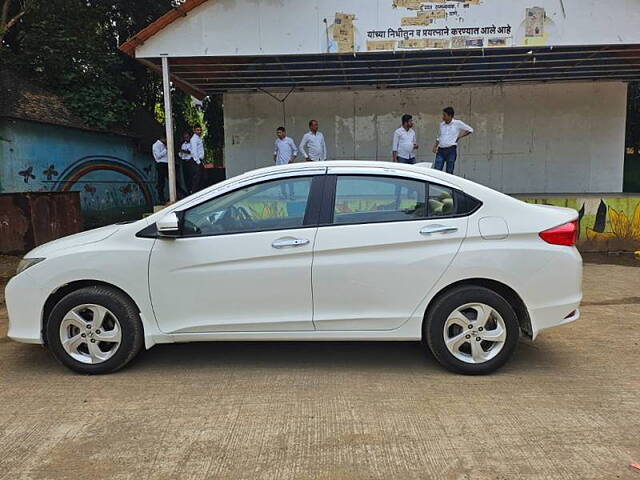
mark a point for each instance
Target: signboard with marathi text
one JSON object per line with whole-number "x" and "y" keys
{"x": 267, "y": 27}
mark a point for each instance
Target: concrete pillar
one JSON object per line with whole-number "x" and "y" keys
{"x": 168, "y": 120}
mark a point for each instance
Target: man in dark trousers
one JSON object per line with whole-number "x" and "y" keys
{"x": 162, "y": 165}
{"x": 446, "y": 146}
{"x": 197, "y": 159}
{"x": 188, "y": 165}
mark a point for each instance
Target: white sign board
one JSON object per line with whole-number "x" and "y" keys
{"x": 268, "y": 27}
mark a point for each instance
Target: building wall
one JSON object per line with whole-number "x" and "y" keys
{"x": 113, "y": 178}
{"x": 538, "y": 138}
{"x": 232, "y": 27}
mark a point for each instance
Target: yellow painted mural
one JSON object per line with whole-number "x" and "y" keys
{"x": 607, "y": 224}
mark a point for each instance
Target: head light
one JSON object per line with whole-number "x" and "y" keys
{"x": 27, "y": 263}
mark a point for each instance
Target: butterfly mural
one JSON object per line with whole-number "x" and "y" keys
{"x": 27, "y": 174}
{"x": 126, "y": 189}
{"x": 50, "y": 172}
{"x": 90, "y": 189}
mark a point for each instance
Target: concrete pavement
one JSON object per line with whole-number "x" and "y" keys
{"x": 566, "y": 407}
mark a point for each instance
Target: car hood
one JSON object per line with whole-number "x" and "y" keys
{"x": 84, "y": 238}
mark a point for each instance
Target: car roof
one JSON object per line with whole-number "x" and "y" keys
{"x": 423, "y": 170}
{"x": 345, "y": 163}
{"x": 357, "y": 165}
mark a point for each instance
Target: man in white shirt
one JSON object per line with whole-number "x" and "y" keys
{"x": 314, "y": 141}
{"x": 404, "y": 142}
{"x": 446, "y": 147}
{"x": 285, "y": 152}
{"x": 197, "y": 158}
{"x": 160, "y": 155}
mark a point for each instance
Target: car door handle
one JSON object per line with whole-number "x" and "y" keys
{"x": 289, "y": 242}
{"x": 438, "y": 229}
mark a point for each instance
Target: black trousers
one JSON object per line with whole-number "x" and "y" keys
{"x": 194, "y": 176}
{"x": 163, "y": 176}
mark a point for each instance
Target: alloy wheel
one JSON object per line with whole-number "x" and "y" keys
{"x": 475, "y": 333}
{"x": 90, "y": 334}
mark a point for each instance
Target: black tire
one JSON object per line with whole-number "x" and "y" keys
{"x": 132, "y": 336}
{"x": 438, "y": 314}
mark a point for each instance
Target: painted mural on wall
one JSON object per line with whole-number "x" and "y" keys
{"x": 607, "y": 224}
{"x": 111, "y": 189}
{"x": 114, "y": 178}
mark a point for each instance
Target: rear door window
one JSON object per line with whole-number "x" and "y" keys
{"x": 369, "y": 199}
{"x": 442, "y": 201}
{"x": 375, "y": 199}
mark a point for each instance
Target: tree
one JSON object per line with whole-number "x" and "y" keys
{"x": 12, "y": 11}
{"x": 214, "y": 123}
{"x": 71, "y": 47}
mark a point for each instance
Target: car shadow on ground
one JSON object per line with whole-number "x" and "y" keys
{"x": 363, "y": 356}
{"x": 366, "y": 357}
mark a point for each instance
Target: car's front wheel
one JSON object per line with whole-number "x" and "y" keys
{"x": 472, "y": 330}
{"x": 94, "y": 330}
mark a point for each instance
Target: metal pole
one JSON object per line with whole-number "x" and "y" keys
{"x": 168, "y": 121}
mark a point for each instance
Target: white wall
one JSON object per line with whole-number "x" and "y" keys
{"x": 280, "y": 27}
{"x": 545, "y": 138}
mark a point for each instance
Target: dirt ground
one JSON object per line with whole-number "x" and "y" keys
{"x": 566, "y": 407}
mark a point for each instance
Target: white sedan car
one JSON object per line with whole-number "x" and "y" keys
{"x": 312, "y": 251}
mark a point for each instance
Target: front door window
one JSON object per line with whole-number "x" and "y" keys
{"x": 275, "y": 205}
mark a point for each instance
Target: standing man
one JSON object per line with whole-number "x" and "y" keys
{"x": 162, "y": 165}
{"x": 404, "y": 142}
{"x": 285, "y": 149}
{"x": 185, "y": 156}
{"x": 285, "y": 153}
{"x": 197, "y": 157}
{"x": 446, "y": 147}
{"x": 314, "y": 140}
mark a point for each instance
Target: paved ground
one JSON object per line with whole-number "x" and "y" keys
{"x": 567, "y": 407}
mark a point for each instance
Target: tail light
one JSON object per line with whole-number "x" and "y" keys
{"x": 566, "y": 234}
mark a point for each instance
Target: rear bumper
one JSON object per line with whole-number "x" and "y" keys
{"x": 551, "y": 317}
{"x": 554, "y": 299}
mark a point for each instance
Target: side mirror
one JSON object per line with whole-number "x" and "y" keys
{"x": 169, "y": 226}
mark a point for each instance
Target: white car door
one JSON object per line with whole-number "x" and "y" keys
{"x": 382, "y": 245}
{"x": 242, "y": 262}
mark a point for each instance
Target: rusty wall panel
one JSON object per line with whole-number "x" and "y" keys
{"x": 14, "y": 224}
{"x": 31, "y": 219}
{"x": 55, "y": 218}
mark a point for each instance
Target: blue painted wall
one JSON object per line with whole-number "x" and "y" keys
{"x": 115, "y": 180}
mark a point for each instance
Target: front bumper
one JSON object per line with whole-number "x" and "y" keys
{"x": 24, "y": 306}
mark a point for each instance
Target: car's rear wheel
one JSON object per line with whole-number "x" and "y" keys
{"x": 472, "y": 330}
{"x": 94, "y": 330}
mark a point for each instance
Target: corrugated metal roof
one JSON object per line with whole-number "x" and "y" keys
{"x": 429, "y": 68}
